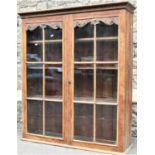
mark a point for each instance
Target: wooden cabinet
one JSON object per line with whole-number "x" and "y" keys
{"x": 77, "y": 76}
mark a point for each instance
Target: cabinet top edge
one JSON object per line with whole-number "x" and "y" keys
{"x": 62, "y": 11}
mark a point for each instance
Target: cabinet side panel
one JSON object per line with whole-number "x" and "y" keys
{"x": 24, "y": 107}
{"x": 128, "y": 80}
{"x": 121, "y": 80}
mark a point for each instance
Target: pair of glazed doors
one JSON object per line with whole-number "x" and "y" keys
{"x": 71, "y": 78}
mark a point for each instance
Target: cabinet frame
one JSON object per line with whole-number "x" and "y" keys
{"x": 124, "y": 12}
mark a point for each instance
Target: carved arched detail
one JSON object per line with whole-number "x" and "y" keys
{"x": 54, "y": 25}
{"x": 107, "y": 21}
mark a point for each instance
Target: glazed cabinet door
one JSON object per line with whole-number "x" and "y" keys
{"x": 72, "y": 80}
{"x": 95, "y": 80}
{"x": 44, "y": 79}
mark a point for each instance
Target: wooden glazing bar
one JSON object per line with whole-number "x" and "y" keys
{"x": 43, "y": 82}
{"x": 94, "y": 109}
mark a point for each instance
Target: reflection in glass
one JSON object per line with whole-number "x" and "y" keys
{"x": 86, "y": 31}
{"x": 103, "y": 30}
{"x": 83, "y": 122}
{"x": 34, "y": 80}
{"x": 53, "y": 81}
{"x": 53, "y": 52}
{"x": 34, "y": 35}
{"x": 106, "y": 83}
{"x": 106, "y": 120}
{"x": 53, "y": 119}
{"x": 34, "y": 52}
{"x": 107, "y": 50}
{"x": 83, "y": 82}
{"x": 51, "y": 33}
{"x": 84, "y": 51}
{"x": 34, "y": 117}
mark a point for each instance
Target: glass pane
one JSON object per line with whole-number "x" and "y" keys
{"x": 106, "y": 123}
{"x": 84, "y": 51}
{"x": 34, "y": 35}
{"x": 51, "y": 33}
{"x": 107, "y": 50}
{"x": 106, "y": 83}
{"x": 34, "y": 80}
{"x": 34, "y": 117}
{"x": 83, "y": 82}
{"x": 53, "y": 81}
{"x": 83, "y": 122}
{"x": 53, "y": 52}
{"x": 53, "y": 119}
{"x": 34, "y": 52}
{"x": 103, "y": 30}
{"x": 86, "y": 31}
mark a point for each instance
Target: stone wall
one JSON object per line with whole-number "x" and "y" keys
{"x": 34, "y": 5}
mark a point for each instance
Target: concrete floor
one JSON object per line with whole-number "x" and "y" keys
{"x": 31, "y": 148}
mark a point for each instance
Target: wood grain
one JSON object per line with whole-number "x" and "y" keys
{"x": 123, "y": 11}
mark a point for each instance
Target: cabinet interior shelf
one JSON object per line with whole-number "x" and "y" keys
{"x": 46, "y": 41}
{"x": 97, "y": 62}
{"x": 101, "y": 68}
{"x": 54, "y": 99}
{"x": 99, "y": 101}
{"x": 43, "y": 62}
{"x": 98, "y": 39}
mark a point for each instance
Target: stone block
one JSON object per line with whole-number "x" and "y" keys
{"x": 42, "y": 6}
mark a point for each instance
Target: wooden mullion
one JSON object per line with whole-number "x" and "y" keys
{"x": 68, "y": 79}
{"x": 94, "y": 112}
{"x": 43, "y": 53}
